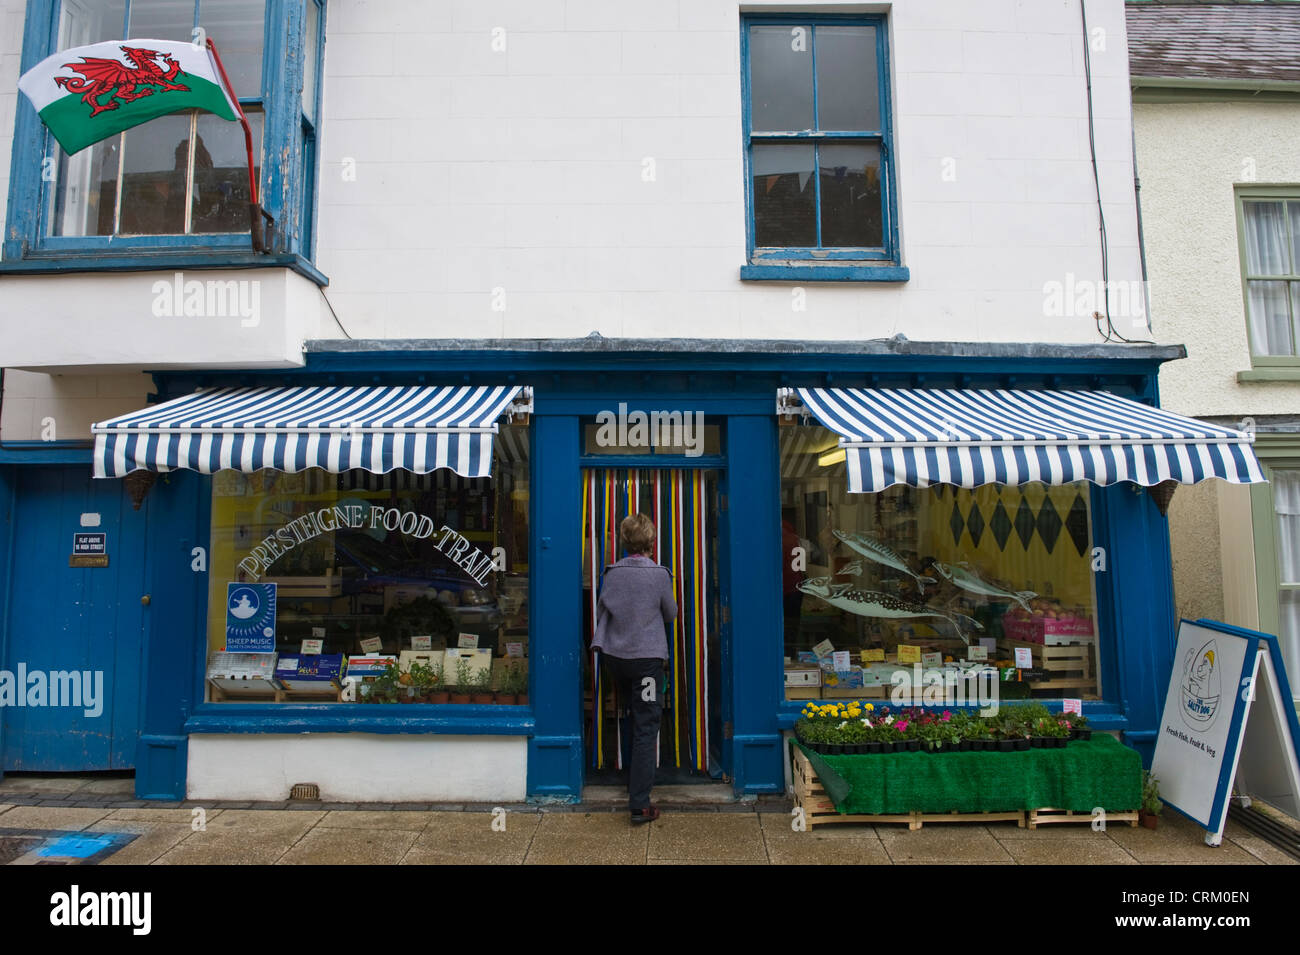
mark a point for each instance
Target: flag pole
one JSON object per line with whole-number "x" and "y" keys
{"x": 255, "y": 212}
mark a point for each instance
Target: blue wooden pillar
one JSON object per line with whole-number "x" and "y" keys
{"x": 175, "y": 632}
{"x": 1138, "y": 586}
{"x": 555, "y": 764}
{"x": 7, "y": 503}
{"x": 754, "y": 581}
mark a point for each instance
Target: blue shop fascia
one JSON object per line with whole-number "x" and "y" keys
{"x": 449, "y": 502}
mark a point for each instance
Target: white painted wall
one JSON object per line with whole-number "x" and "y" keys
{"x": 41, "y": 407}
{"x": 1189, "y": 157}
{"x": 357, "y": 767}
{"x": 450, "y": 170}
{"x": 521, "y": 170}
{"x": 221, "y": 318}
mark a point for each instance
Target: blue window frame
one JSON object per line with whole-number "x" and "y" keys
{"x": 177, "y": 186}
{"x": 818, "y": 157}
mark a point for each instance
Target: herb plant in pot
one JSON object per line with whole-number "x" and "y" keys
{"x": 482, "y": 692}
{"x": 464, "y": 682}
{"x": 1149, "y": 814}
{"x": 512, "y": 681}
{"x": 437, "y": 690}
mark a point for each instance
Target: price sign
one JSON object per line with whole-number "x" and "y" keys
{"x": 372, "y": 645}
{"x": 422, "y": 643}
{"x": 908, "y": 653}
{"x": 1072, "y": 706}
{"x": 873, "y": 656}
{"x": 824, "y": 649}
{"x": 932, "y": 659}
{"x": 841, "y": 660}
{"x": 312, "y": 646}
{"x": 467, "y": 641}
{"x": 977, "y": 653}
{"x": 1024, "y": 658}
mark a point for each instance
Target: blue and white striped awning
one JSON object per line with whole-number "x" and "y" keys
{"x": 338, "y": 428}
{"x": 968, "y": 438}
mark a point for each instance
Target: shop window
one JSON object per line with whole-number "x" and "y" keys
{"x": 965, "y": 576}
{"x": 179, "y": 181}
{"x": 1284, "y": 483}
{"x": 1270, "y": 256}
{"x": 818, "y": 140}
{"x": 422, "y": 568}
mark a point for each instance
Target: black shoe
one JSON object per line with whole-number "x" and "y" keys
{"x": 648, "y": 814}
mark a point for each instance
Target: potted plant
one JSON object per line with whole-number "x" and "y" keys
{"x": 387, "y": 687}
{"x": 980, "y": 734}
{"x": 853, "y": 736}
{"x": 1078, "y": 723}
{"x": 1149, "y": 814}
{"x": 512, "y": 681}
{"x": 464, "y": 682}
{"x": 482, "y": 689}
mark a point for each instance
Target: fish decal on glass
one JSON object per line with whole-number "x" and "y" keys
{"x": 871, "y": 603}
{"x": 961, "y": 575}
{"x": 883, "y": 554}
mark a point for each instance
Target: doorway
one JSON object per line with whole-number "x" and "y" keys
{"x": 75, "y": 632}
{"x": 685, "y": 507}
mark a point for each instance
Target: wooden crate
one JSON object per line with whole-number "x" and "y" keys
{"x": 1043, "y": 817}
{"x": 1071, "y": 666}
{"x": 819, "y": 809}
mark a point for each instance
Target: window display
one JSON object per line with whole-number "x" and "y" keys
{"x": 950, "y": 579}
{"x": 365, "y": 587}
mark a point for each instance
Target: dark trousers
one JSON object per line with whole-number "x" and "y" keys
{"x": 644, "y": 704}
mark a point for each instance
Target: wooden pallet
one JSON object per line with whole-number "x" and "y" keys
{"x": 1043, "y": 817}
{"x": 819, "y": 810}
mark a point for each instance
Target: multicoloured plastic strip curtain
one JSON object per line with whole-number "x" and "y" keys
{"x": 676, "y": 501}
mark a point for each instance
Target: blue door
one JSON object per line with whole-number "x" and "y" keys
{"x": 82, "y": 624}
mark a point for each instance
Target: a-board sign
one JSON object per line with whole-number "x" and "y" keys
{"x": 1228, "y": 715}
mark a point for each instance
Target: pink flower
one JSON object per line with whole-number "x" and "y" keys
{"x": 901, "y": 726}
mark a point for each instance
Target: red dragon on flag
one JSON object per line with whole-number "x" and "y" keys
{"x": 125, "y": 81}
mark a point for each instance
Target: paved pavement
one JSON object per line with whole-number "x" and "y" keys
{"x": 82, "y": 820}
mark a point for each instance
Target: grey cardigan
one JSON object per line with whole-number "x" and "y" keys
{"x": 636, "y": 610}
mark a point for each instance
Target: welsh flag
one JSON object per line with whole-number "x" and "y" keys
{"x": 92, "y": 92}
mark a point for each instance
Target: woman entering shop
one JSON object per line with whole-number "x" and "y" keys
{"x": 683, "y": 505}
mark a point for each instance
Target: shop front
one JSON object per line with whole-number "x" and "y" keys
{"x": 336, "y": 548}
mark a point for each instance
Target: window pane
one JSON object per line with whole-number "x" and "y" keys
{"x": 162, "y": 19}
{"x": 781, "y": 77}
{"x": 153, "y": 188}
{"x": 1270, "y": 318}
{"x": 1006, "y": 564}
{"x": 850, "y": 191}
{"x": 785, "y": 204}
{"x": 236, "y": 28}
{"x": 847, "y": 91}
{"x": 1293, "y": 209}
{"x": 221, "y": 173}
{"x": 81, "y": 24}
{"x": 1266, "y": 242}
{"x": 1286, "y": 503}
{"x": 86, "y": 193}
{"x": 370, "y": 556}
{"x": 1288, "y": 619}
{"x": 311, "y": 52}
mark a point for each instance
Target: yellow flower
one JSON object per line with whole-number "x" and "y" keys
{"x": 870, "y": 707}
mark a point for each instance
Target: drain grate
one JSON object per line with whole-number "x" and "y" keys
{"x": 1267, "y": 828}
{"x": 307, "y": 791}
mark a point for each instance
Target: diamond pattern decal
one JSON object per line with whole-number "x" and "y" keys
{"x": 956, "y": 523}
{"x": 1049, "y": 524}
{"x": 1076, "y": 524}
{"x": 1024, "y": 522}
{"x": 975, "y": 524}
{"x": 1000, "y": 525}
